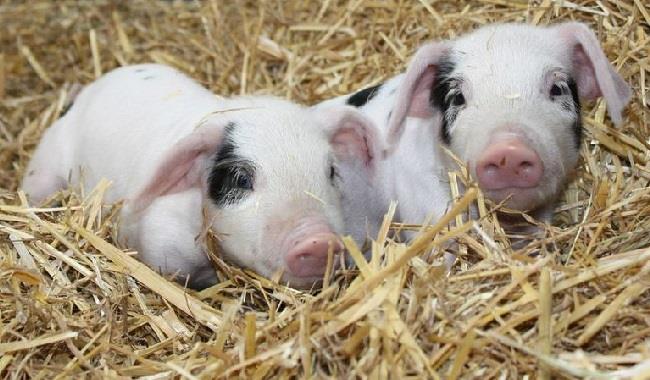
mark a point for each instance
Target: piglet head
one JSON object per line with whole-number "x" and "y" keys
{"x": 506, "y": 100}
{"x": 270, "y": 183}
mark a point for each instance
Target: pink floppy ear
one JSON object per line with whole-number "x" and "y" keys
{"x": 415, "y": 89}
{"x": 182, "y": 165}
{"x": 595, "y": 76}
{"x": 352, "y": 135}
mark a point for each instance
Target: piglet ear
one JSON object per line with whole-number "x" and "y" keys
{"x": 182, "y": 165}
{"x": 352, "y": 135}
{"x": 415, "y": 90}
{"x": 595, "y": 76}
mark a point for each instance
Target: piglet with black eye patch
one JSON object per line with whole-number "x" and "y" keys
{"x": 504, "y": 98}
{"x": 263, "y": 169}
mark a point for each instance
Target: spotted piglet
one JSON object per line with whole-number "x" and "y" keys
{"x": 263, "y": 169}
{"x": 504, "y": 98}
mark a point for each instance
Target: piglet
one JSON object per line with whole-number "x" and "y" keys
{"x": 263, "y": 169}
{"x": 505, "y": 99}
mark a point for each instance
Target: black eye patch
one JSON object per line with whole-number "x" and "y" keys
{"x": 446, "y": 96}
{"x": 577, "y": 125}
{"x": 564, "y": 92}
{"x": 230, "y": 182}
{"x": 232, "y": 177}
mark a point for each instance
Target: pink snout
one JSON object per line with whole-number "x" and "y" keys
{"x": 308, "y": 258}
{"x": 509, "y": 163}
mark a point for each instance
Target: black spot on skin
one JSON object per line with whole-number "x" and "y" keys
{"x": 148, "y": 77}
{"x": 232, "y": 176}
{"x": 439, "y": 99}
{"x": 66, "y": 108}
{"x": 577, "y": 125}
{"x": 139, "y": 70}
{"x": 362, "y": 97}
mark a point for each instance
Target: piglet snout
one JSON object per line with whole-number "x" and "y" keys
{"x": 308, "y": 257}
{"x": 509, "y": 163}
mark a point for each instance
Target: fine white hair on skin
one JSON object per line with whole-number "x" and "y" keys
{"x": 264, "y": 169}
{"x": 504, "y": 98}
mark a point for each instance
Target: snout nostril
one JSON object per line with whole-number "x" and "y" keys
{"x": 526, "y": 164}
{"x": 491, "y": 167}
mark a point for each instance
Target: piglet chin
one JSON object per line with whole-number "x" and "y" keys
{"x": 521, "y": 199}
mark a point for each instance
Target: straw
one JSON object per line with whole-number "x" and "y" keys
{"x": 573, "y": 303}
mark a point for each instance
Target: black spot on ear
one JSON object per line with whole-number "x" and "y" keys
{"x": 231, "y": 177}
{"x": 362, "y": 97}
{"x": 439, "y": 99}
{"x": 577, "y": 125}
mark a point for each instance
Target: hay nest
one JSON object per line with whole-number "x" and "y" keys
{"x": 72, "y": 304}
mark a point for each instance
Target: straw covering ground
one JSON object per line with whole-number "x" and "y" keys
{"x": 574, "y": 304}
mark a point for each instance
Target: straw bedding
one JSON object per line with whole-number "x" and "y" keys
{"x": 573, "y": 304}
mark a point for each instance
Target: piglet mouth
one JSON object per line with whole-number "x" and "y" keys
{"x": 517, "y": 198}
{"x": 509, "y": 189}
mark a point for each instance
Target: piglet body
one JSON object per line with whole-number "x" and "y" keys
{"x": 505, "y": 99}
{"x": 263, "y": 170}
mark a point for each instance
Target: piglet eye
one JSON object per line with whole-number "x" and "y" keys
{"x": 333, "y": 173}
{"x": 457, "y": 99}
{"x": 556, "y": 90}
{"x": 243, "y": 181}
{"x": 230, "y": 181}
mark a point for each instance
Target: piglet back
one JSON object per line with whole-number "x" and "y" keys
{"x": 139, "y": 111}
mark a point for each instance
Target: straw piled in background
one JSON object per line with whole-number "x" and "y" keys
{"x": 574, "y": 304}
